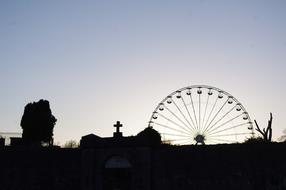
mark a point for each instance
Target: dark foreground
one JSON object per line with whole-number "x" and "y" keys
{"x": 142, "y": 167}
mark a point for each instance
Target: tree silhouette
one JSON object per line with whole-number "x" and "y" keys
{"x": 71, "y": 144}
{"x": 38, "y": 123}
{"x": 266, "y": 133}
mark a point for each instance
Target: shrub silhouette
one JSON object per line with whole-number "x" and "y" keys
{"x": 254, "y": 140}
{"x": 38, "y": 123}
{"x": 150, "y": 135}
{"x": 283, "y": 137}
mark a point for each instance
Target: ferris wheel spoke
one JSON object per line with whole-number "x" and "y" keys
{"x": 194, "y": 111}
{"x": 213, "y": 107}
{"x": 221, "y": 118}
{"x": 229, "y": 128}
{"x": 205, "y": 110}
{"x": 183, "y": 139}
{"x": 177, "y": 117}
{"x": 186, "y": 142}
{"x": 171, "y": 128}
{"x": 213, "y": 141}
{"x": 199, "y": 112}
{"x": 232, "y": 134}
{"x": 193, "y": 126}
{"x": 220, "y": 126}
{"x": 183, "y": 116}
{"x": 223, "y": 140}
{"x": 177, "y": 135}
{"x": 215, "y": 115}
{"x": 181, "y": 127}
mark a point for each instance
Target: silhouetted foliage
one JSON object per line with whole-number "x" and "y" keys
{"x": 71, "y": 144}
{"x": 254, "y": 140}
{"x": 38, "y": 122}
{"x": 2, "y": 141}
{"x": 283, "y": 137}
{"x": 266, "y": 133}
{"x": 150, "y": 135}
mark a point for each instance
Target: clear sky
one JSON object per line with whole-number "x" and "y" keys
{"x": 102, "y": 61}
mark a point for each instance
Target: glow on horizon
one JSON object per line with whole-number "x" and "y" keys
{"x": 102, "y": 61}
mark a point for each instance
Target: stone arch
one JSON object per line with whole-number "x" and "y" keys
{"x": 117, "y": 172}
{"x": 117, "y": 162}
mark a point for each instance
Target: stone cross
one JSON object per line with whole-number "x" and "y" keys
{"x": 117, "y": 126}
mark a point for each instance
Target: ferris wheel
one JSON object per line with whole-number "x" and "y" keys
{"x": 201, "y": 114}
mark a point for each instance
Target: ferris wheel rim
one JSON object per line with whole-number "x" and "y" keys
{"x": 201, "y": 86}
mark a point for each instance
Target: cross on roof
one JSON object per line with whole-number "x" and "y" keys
{"x": 117, "y": 125}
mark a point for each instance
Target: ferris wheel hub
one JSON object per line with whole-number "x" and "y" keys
{"x": 200, "y": 139}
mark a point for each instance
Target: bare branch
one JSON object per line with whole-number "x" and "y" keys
{"x": 266, "y": 133}
{"x": 257, "y": 128}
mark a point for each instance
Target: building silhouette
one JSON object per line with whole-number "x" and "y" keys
{"x": 136, "y": 163}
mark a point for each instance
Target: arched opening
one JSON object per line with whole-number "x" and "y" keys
{"x": 117, "y": 174}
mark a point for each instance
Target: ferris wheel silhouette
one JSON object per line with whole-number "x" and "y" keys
{"x": 201, "y": 114}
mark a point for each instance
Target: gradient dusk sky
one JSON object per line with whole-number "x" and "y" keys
{"x": 102, "y": 61}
